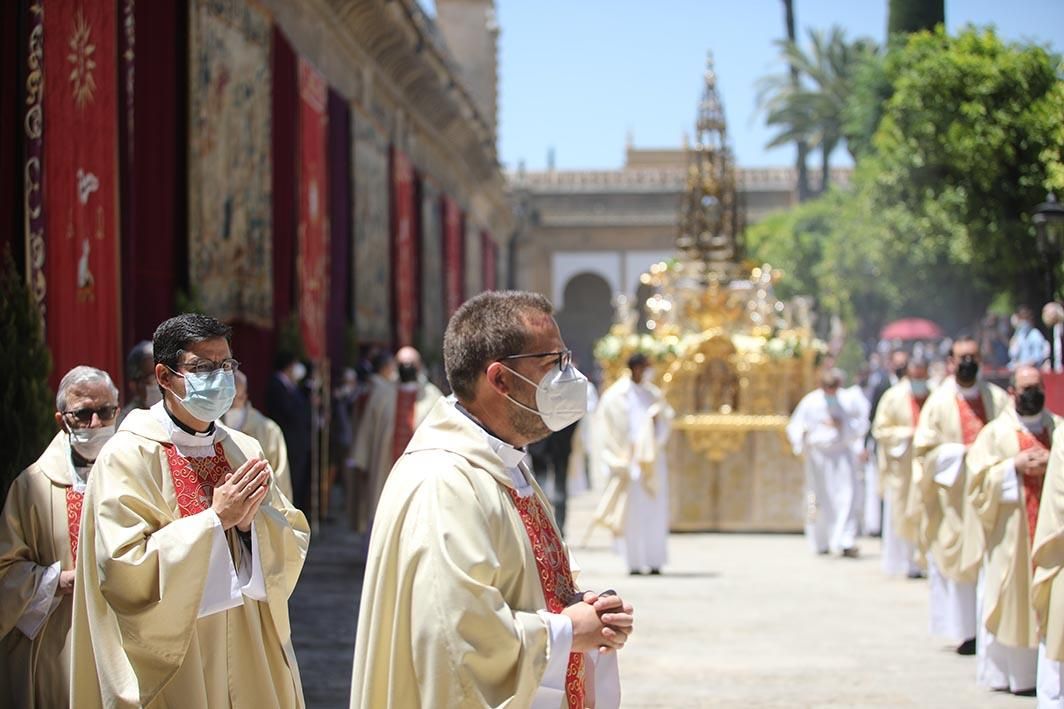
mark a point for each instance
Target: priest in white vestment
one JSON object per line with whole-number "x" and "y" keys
{"x": 893, "y": 428}
{"x": 869, "y": 495}
{"x": 1006, "y": 467}
{"x": 244, "y": 417}
{"x": 469, "y": 597}
{"x": 634, "y": 422}
{"x": 39, "y": 543}
{"x": 394, "y": 410}
{"x": 949, "y": 422}
{"x": 1047, "y": 588}
{"x": 188, "y": 556}
{"x": 823, "y": 430}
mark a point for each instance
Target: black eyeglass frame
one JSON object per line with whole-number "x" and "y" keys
{"x": 565, "y": 357}
{"x": 226, "y": 365}
{"x": 80, "y": 416}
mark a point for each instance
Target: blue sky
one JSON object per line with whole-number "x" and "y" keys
{"x": 579, "y": 75}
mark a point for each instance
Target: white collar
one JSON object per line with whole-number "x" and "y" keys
{"x": 197, "y": 445}
{"x": 1034, "y": 424}
{"x": 515, "y": 459}
{"x": 79, "y": 474}
{"x": 969, "y": 393}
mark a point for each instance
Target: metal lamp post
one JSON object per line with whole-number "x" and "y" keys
{"x": 1048, "y": 219}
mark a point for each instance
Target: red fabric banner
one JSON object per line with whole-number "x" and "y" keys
{"x": 313, "y": 220}
{"x": 404, "y": 249}
{"x": 453, "y": 256}
{"x": 490, "y": 256}
{"x": 1054, "y": 384}
{"x": 81, "y": 185}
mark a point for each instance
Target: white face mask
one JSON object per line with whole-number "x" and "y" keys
{"x": 236, "y": 418}
{"x": 207, "y": 396}
{"x": 88, "y": 442}
{"x": 299, "y": 371}
{"x": 561, "y": 397}
{"x": 919, "y": 387}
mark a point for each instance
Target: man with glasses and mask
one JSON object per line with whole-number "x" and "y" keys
{"x": 893, "y": 428}
{"x": 39, "y": 544}
{"x": 469, "y": 598}
{"x": 1005, "y": 469}
{"x": 189, "y": 555}
{"x": 395, "y": 408}
{"x": 949, "y": 422}
{"x": 634, "y": 423}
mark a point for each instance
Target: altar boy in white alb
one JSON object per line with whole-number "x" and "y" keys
{"x": 634, "y": 424}
{"x": 823, "y": 430}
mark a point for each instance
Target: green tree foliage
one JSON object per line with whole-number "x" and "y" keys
{"x": 907, "y": 16}
{"x": 957, "y": 139}
{"x": 27, "y": 403}
{"x": 812, "y": 111}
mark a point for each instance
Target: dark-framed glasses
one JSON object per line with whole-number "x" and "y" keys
{"x": 206, "y": 366}
{"x": 564, "y": 357}
{"x": 84, "y": 415}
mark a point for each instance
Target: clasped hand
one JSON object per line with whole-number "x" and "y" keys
{"x": 602, "y": 622}
{"x": 238, "y": 498}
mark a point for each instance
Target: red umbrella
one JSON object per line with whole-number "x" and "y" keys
{"x": 911, "y": 329}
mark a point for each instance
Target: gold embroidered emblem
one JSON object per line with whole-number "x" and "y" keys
{"x": 81, "y": 59}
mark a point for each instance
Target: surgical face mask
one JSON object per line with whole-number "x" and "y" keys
{"x": 561, "y": 397}
{"x": 88, "y": 442}
{"x": 408, "y": 373}
{"x": 299, "y": 371}
{"x": 152, "y": 396}
{"x": 236, "y": 418}
{"x": 207, "y": 396}
{"x": 1030, "y": 402}
{"x": 919, "y": 387}
{"x": 967, "y": 370}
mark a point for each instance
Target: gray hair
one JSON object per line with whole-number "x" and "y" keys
{"x": 485, "y": 329}
{"x": 79, "y": 375}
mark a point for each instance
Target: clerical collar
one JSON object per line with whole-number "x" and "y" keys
{"x": 971, "y": 392}
{"x": 512, "y": 458}
{"x": 182, "y": 436}
{"x": 187, "y": 429}
{"x": 79, "y": 471}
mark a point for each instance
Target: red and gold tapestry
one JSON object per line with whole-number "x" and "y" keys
{"x": 404, "y": 248}
{"x": 80, "y": 186}
{"x": 230, "y": 222}
{"x": 453, "y": 255}
{"x": 313, "y": 221}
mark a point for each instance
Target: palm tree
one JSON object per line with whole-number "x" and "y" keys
{"x": 796, "y": 79}
{"x": 812, "y": 111}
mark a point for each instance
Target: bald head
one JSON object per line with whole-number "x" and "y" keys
{"x": 1026, "y": 376}
{"x": 1027, "y": 391}
{"x": 408, "y": 355}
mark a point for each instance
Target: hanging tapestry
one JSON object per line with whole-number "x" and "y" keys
{"x": 404, "y": 248}
{"x": 453, "y": 253}
{"x": 80, "y": 187}
{"x": 313, "y": 265}
{"x": 229, "y": 170}
{"x": 372, "y": 260}
{"x": 433, "y": 318}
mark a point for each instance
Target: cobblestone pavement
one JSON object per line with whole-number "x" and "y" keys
{"x": 736, "y": 620}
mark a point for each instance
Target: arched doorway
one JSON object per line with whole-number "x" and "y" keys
{"x": 586, "y": 315}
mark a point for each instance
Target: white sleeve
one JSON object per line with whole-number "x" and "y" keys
{"x": 551, "y": 692}
{"x": 42, "y": 604}
{"x": 1010, "y": 485}
{"x": 949, "y": 457}
{"x": 253, "y": 585}
{"x": 221, "y": 589}
{"x": 605, "y": 689}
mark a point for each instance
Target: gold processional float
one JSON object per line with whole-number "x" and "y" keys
{"x": 732, "y": 359}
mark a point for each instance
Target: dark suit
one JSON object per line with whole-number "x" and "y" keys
{"x": 288, "y": 405}
{"x": 551, "y": 455}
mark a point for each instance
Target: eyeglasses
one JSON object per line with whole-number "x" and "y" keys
{"x": 106, "y": 413}
{"x": 206, "y": 366}
{"x": 565, "y": 357}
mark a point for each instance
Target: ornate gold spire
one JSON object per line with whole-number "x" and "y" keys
{"x": 710, "y": 216}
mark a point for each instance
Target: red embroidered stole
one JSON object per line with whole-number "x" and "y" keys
{"x": 1032, "y": 485}
{"x": 916, "y": 405}
{"x": 556, "y": 578}
{"x": 195, "y": 478}
{"x": 405, "y": 400}
{"x": 73, "y": 510}
{"x": 973, "y": 417}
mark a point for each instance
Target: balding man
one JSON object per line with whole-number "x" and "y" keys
{"x": 394, "y": 410}
{"x": 1053, "y": 317}
{"x": 1006, "y": 467}
{"x": 823, "y": 430}
{"x": 247, "y": 419}
{"x": 140, "y": 380}
{"x": 469, "y": 598}
{"x": 38, "y": 544}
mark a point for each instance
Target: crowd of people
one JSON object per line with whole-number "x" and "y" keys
{"x": 964, "y": 481}
{"x": 148, "y": 556}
